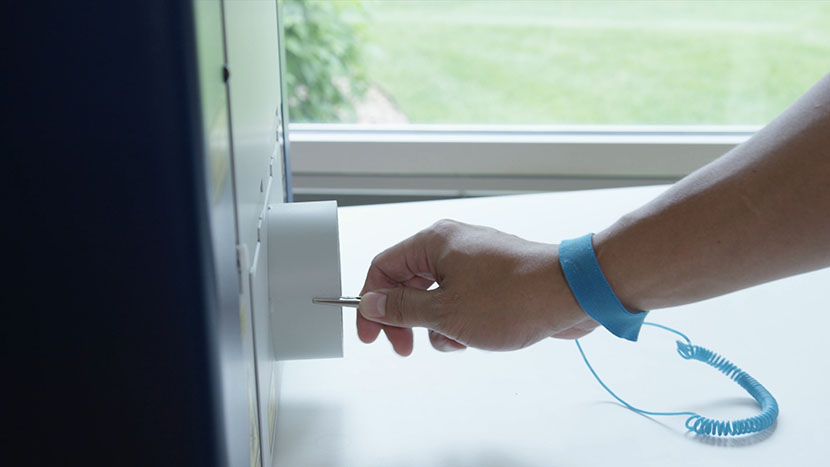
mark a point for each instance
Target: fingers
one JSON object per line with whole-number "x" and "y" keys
{"x": 397, "y": 310}
{"x": 367, "y": 330}
{"x": 409, "y": 270}
{"x": 444, "y": 343}
{"x": 408, "y": 263}
{"x": 400, "y": 338}
{"x": 419, "y": 283}
{"x": 401, "y": 307}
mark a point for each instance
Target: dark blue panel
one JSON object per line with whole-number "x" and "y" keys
{"x": 106, "y": 224}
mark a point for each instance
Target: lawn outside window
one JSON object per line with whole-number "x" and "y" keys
{"x": 485, "y": 97}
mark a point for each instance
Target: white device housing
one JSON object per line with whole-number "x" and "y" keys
{"x": 303, "y": 263}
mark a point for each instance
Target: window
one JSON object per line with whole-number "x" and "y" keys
{"x": 677, "y": 73}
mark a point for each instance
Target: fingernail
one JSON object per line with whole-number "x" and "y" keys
{"x": 373, "y": 305}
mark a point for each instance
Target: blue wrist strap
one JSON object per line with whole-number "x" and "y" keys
{"x": 592, "y": 290}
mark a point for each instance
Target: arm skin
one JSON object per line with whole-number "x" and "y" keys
{"x": 759, "y": 213}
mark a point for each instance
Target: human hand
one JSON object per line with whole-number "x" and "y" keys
{"x": 495, "y": 291}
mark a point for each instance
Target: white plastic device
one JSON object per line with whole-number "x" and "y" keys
{"x": 303, "y": 263}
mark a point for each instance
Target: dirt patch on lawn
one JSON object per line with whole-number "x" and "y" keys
{"x": 377, "y": 107}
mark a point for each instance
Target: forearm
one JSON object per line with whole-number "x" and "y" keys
{"x": 759, "y": 213}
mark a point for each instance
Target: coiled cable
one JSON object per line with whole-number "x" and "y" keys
{"x": 698, "y": 423}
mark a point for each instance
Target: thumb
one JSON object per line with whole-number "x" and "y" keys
{"x": 401, "y": 306}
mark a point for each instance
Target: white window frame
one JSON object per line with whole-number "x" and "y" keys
{"x": 471, "y": 160}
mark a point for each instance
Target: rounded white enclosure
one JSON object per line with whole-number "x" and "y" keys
{"x": 303, "y": 263}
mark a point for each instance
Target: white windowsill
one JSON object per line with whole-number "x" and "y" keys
{"x": 492, "y": 159}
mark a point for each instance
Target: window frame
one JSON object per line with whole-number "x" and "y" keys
{"x": 472, "y": 160}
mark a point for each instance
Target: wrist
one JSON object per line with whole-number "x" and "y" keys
{"x": 592, "y": 291}
{"x": 620, "y": 276}
{"x": 566, "y": 312}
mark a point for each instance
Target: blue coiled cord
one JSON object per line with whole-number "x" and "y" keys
{"x": 696, "y": 422}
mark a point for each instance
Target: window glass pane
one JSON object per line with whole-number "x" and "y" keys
{"x": 548, "y": 62}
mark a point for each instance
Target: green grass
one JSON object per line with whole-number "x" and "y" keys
{"x": 609, "y": 62}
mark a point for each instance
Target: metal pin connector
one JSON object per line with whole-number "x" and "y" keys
{"x": 351, "y": 302}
